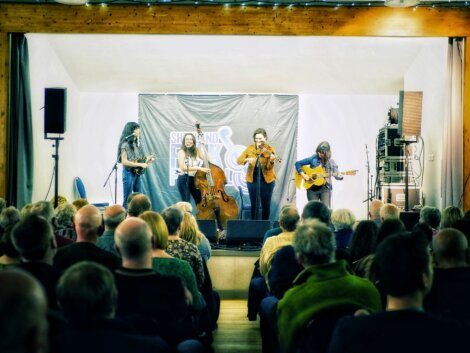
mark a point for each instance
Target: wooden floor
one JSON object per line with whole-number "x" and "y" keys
{"x": 235, "y": 333}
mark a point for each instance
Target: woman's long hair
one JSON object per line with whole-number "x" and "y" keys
{"x": 192, "y": 151}
{"x": 324, "y": 147}
{"x": 128, "y": 130}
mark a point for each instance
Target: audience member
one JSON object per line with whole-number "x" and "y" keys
{"x": 26, "y": 210}
{"x": 404, "y": 270}
{"x": 276, "y": 230}
{"x": 23, "y": 323}
{"x": 451, "y": 286}
{"x": 156, "y": 304}
{"x": 363, "y": 244}
{"x": 389, "y": 211}
{"x": 343, "y": 221}
{"x": 88, "y": 297}
{"x": 64, "y": 214}
{"x": 3, "y": 204}
{"x": 284, "y": 269}
{"x": 79, "y": 203}
{"x": 189, "y": 231}
{"x": 45, "y": 210}
{"x": 8, "y": 254}
{"x": 430, "y": 216}
{"x": 139, "y": 204}
{"x": 324, "y": 284}
{"x": 88, "y": 225}
{"x": 185, "y": 206}
{"x": 34, "y": 241}
{"x": 181, "y": 248}
{"x": 113, "y": 215}
{"x": 167, "y": 265}
{"x": 60, "y": 200}
{"x": 318, "y": 210}
{"x": 450, "y": 216}
{"x": 374, "y": 211}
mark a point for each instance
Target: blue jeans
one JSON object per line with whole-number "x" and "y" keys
{"x": 130, "y": 183}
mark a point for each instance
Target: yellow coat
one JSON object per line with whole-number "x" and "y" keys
{"x": 267, "y": 166}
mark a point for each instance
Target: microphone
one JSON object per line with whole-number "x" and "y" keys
{"x": 125, "y": 138}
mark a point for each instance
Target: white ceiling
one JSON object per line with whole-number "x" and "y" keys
{"x": 256, "y": 64}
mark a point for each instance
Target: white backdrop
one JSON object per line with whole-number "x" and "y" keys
{"x": 348, "y": 122}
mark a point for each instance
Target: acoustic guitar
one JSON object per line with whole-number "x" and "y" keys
{"x": 148, "y": 159}
{"x": 318, "y": 176}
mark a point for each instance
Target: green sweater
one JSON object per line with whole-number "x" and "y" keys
{"x": 179, "y": 268}
{"x": 321, "y": 287}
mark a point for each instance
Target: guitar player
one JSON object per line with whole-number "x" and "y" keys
{"x": 321, "y": 158}
{"x": 130, "y": 155}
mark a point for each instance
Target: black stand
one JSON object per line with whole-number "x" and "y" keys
{"x": 187, "y": 179}
{"x": 56, "y": 166}
{"x": 370, "y": 192}
{"x": 113, "y": 169}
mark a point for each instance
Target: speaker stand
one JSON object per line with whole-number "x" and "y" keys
{"x": 113, "y": 169}
{"x": 56, "y": 165}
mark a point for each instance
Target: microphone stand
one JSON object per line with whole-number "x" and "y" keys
{"x": 258, "y": 187}
{"x": 188, "y": 158}
{"x": 113, "y": 169}
{"x": 369, "y": 183}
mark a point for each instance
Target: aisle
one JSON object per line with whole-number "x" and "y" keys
{"x": 235, "y": 333}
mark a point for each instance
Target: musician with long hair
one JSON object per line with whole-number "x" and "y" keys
{"x": 260, "y": 176}
{"x": 128, "y": 154}
{"x": 189, "y": 163}
{"x": 321, "y": 158}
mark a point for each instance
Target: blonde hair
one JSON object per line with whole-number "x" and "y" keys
{"x": 158, "y": 227}
{"x": 189, "y": 229}
{"x": 184, "y": 206}
{"x": 342, "y": 218}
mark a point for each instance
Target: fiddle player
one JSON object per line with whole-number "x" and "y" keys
{"x": 322, "y": 158}
{"x": 189, "y": 162}
{"x": 260, "y": 175}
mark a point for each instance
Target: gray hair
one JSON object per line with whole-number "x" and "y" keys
{"x": 314, "y": 243}
{"x": 43, "y": 209}
{"x": 343, "y": 218}
{"x": 64, "y": 214}
{"x": 430, "y": 216}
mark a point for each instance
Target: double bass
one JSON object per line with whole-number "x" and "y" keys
{"x": 215, "y": 203}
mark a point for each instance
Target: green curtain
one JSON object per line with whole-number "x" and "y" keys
{"x": 20, "y": 131}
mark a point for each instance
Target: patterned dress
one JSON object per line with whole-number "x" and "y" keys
{"x": 187, "y": 251}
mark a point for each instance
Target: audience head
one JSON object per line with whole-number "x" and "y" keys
{"x": 342, "y": 219}
{"x": 374, "y": 209}
{"x": 430, "y": 216}
{"x": 288, "y": 218}
{"x": 423, "y": 230}
{"x": 88, "y": 223}
{"x": 60, "y": 200}
{"x": 389, "y": 211}
{"x": 113, "y": 215}
{"x": 450, "y": 216}
{"x": 450, "y": 248}
{"x": 138, "y": 205}
{"x": 364, "y": 240}
{"x": 131, "y": 196}
{"x": 133, "y": 240}
{"x": 26, "y": 210}
{"x": 79, "y": 203}
{"x": 23, "y": 308}
{"x": 64, "y": 214}
{"x": 45, "y": 210}
{"x": 185, "y": 206}
{"x": 87, "y": 293}
{"x": 3, "y": 204}
{"x": 189, "y": 230}
{"x": 389, "y": 227}
{"x": 158, "y": 228}
{"x": 403, "y": 266}
{"x": 173, "y": 217}
{"x": 318, "y": 210}
{"x": 32, "y": 238}
{"x": 314, "y": 243}
{"x": 8, "y": 218}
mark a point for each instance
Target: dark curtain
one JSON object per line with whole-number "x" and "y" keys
{"x": 20, "y": 134}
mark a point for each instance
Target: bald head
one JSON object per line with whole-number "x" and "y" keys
{"x": 133, "y": 239}
{"x": 113, "y": 215}
{"x": 87, "y": 222}
{"x": 374, "y": 209}
{"x": 450, "y": 248}
{"x": 23, "y": 306}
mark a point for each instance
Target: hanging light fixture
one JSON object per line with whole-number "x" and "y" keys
{"x": 72, "y": 2}
{"x": 401, "y": 3}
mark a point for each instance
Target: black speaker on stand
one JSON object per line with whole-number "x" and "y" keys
{"x": 55, "y": 107}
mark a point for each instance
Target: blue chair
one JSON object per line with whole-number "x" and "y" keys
{"x": 81, "y": 191}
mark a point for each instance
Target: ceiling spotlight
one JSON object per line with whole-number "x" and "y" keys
{"x": 401, "y": 3}
{"x": 72, "y": 2}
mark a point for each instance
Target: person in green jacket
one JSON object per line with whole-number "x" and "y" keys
{"x": 324, "y": 284}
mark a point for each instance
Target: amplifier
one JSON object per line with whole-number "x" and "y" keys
{"x": 392, "y": 164}
{"x": 386, "y": 145}
{"x": 395, "y": 193}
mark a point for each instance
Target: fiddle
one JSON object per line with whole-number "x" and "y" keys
{"x": 266, "y": 151}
